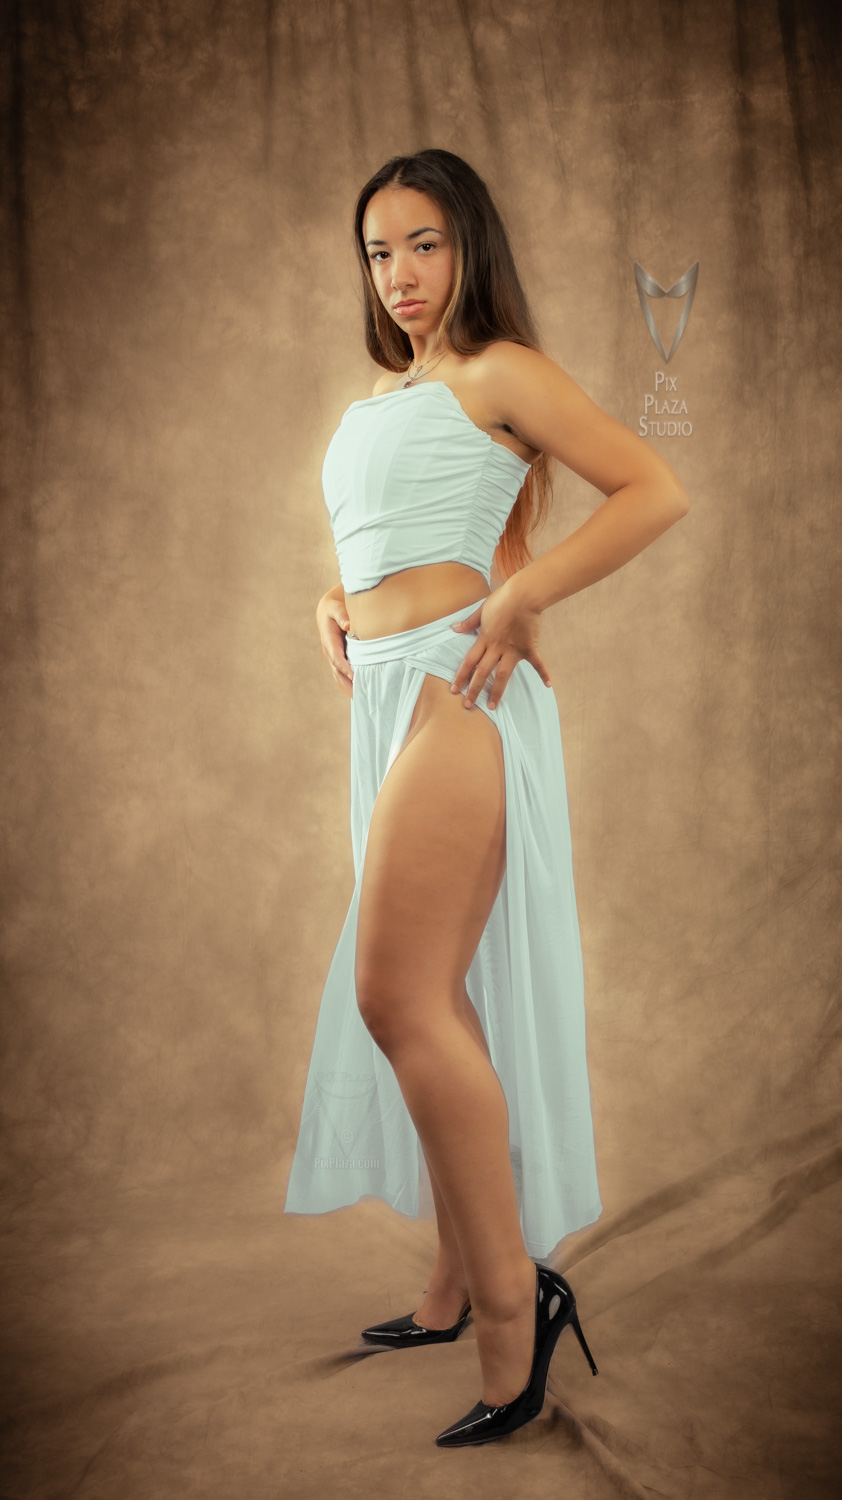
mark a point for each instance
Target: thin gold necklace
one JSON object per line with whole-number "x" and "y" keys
{"x": 413, "y": 378}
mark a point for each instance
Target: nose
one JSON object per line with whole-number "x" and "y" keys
{"x": 402, "y": 276}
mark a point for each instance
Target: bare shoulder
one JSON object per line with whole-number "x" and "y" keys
{"x": 506, "y": 369}
{"x": 384, "y": 382}
{"x": 551, "y": 412}
{"x": 507, "y": 377}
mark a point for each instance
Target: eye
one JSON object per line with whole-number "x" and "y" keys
{"x": 422, "y": 245}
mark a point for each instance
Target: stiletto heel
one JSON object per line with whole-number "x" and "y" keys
{"x": 574, "y": 1319}
{"x": 404, "y": 1333}
{"x": 555, "y": 1307}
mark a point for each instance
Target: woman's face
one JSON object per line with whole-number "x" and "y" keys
{"x": 411, "y": 257}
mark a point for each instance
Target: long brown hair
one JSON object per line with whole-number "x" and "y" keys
{"x": 487, "y": 302}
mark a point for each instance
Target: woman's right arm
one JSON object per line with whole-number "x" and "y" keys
{"x": 337, "y": 592}
{"x": 332, "y": 623}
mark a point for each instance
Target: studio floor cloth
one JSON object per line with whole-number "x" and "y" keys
{"x": 526, "y": 980}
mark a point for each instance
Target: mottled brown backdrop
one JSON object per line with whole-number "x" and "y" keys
{"x": 181, "y": 331}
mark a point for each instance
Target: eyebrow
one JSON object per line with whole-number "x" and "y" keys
{"x": 425, "y": 229}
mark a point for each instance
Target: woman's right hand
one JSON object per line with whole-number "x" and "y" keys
{"x": 332, "y": 622}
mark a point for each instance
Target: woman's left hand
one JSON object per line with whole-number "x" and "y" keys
{"x": 508, "y": 633}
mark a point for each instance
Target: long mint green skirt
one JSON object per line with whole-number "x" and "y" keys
{"x": 356, "y": 1138}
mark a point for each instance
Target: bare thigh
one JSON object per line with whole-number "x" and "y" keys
{"x": 435, "y": 858}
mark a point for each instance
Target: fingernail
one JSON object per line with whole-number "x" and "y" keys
{"x": 453, "y": 688}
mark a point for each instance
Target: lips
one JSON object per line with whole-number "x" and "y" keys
{"x": 411, "y": 302}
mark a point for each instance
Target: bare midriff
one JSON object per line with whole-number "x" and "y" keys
{"x": 413, "y": 597}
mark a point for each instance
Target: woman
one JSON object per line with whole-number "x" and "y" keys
{"x": 450, "y": 1043}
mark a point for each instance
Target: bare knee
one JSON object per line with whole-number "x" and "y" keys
{"x": 377, "y": 1003}
{"x": 391, "y": 1011}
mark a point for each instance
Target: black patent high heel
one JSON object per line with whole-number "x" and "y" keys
{"x": 555, "y": 1307}
{"x": 403, "y": 1333}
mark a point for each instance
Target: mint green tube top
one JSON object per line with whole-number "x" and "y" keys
{"x": 408, "y": 478}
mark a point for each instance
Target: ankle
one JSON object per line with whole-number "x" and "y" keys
{"x": 446, "y": 1278}
{"x": 508, "y": 1296}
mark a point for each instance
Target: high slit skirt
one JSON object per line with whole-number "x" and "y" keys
{"x": 356, "y": 1138}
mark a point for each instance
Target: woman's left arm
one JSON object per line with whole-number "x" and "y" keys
{"x": 546, "y": 407}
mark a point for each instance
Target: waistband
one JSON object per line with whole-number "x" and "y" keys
{"x": 405, "y": 642}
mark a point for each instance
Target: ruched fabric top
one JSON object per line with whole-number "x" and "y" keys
{"x": 408, "y": 479}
